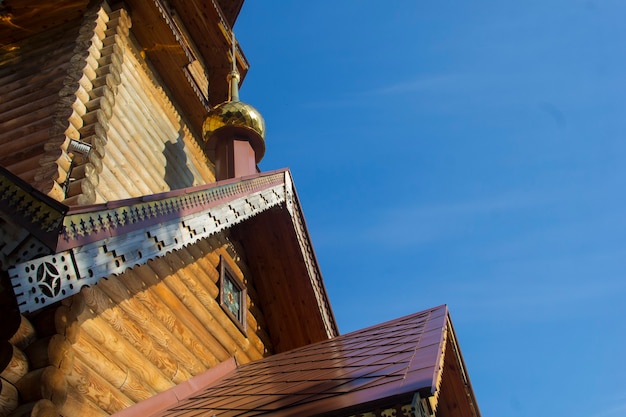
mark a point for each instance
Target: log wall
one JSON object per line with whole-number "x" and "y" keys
{"x": 87, "y": 81}
{"x": 132, "y": 336}
{"x": 31, "y": 76}
{"x": 150, "y": 149}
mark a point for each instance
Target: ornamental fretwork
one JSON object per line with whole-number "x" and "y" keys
{"x": 43, "y": 281}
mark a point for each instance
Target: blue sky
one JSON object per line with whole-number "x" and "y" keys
{"x": 466, "y": 153}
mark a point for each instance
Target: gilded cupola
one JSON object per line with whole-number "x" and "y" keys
{"x": 234, "y": 132}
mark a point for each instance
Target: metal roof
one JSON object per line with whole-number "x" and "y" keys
{"x": 380, "y": 366}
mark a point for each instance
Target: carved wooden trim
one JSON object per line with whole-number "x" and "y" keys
{"x": 41, "y": 214}
{"x": 196, "y": 78}
{"x": 119, "y": 238}
{"x": 97, "y": 241}
{"x": 399, "y": 410}
{"x": 293, "y": 206}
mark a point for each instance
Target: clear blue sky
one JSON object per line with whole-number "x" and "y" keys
{"x": 470, "y": 153}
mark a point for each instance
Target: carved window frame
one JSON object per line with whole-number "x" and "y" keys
{"x": 228, "y": 275}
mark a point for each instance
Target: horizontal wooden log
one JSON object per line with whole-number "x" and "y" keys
{"x": 16, "y": 365}
{"x": 86, "y": 66}
{"x": 40, "y": 408}
{"x": 113, "y": 67}
{"x": 20, "y": 69}
{"x": 57, "y": 156}
{"x": 108, "y": 59}
{"x": 49, "y": 187}
{"x": 77, "y": 90}
{"x": 60, "y": 353}
{"x": 77, "y": 405}
{"x": 54, "y": 386}
{"x": 171, "y": 300}
{"x": 111, "y": 80}
{"x": 120, "y": 18}
{"x": 15, "y": 138}
{"x": 71, "y": 102}
{"x": 37, "y": 353}
{"x": 173, "y": 321}
{"x": 98, "y": 145}
{"x": 127, "y": 163}
{"x": 132, "y": 141}
{"x": 207, "y": 292}
{"x": 103, "y": 102}
{"x": 72, "y": 85}
{"x": 112, "y": 370}
{"x": 58, "y": 141}
{"x": 90, "y": 70}
{"x": 25, "y": 334}
{"x": 96, "y": 26}
{"x": 23, "y": 165}
{"x": 97, "y": 389}
{"x": 21, "y": 107}
{"x": 110, "y": 188}
{"x": 146, "y": 319}
{"x": 30, "y": 83}
{"x": 96, "y": 116}
{"x": 8, "y": 397}
{"x": 112, "y": 49}
{"x": 119, "y": 321}
{"x": 66, "y": 117}
{"x": 94, "y": 129}
{"x": 119, "y": 348}
{"x": 187, "y": 289}
{"x": 51, "y": 171}
{"x": 48, "y": 383}
{"x": 54, "y": 191}
{"x": 82, "y": 186}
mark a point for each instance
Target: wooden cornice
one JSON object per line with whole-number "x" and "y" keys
{"x": 41, "y": 215}
{"x": 93, "y": 242}
{"x": 96, "y": 241}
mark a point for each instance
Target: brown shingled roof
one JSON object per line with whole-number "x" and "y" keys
{"x": 383, "y": 366}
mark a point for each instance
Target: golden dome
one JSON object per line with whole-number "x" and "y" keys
{"x": 238, "y": 117}
{"x": 234, "y": 113}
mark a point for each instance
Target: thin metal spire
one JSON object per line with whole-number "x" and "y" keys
{"x": 233, "y": 77}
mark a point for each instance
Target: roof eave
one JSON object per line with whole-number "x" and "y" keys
{"x": 93, "y": 242}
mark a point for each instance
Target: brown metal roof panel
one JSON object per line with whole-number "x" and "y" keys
{"x": 278, "y": 387}
{"x": 175, "y": 394}
{"x": 297, "y": 388}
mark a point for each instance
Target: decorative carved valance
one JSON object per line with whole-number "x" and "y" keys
{"x": 97, "y": 241}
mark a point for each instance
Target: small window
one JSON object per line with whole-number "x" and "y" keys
{"x": 232, "y": 295}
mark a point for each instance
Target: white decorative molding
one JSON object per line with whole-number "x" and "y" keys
{"x": 43, "y": 281}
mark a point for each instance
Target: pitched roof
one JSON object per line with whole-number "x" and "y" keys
{"x": 88, "y": 243}
{"x": 380, "y": 367}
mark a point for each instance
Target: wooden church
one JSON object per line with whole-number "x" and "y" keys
{"x": 147, "y": 267}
